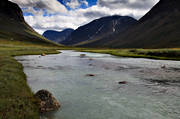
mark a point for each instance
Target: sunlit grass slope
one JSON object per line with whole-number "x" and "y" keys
{"x": 12, "y": 30}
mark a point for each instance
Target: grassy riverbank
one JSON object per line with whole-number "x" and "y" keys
{"x": 161, "y": 54}
{"x": 16, "y": 99}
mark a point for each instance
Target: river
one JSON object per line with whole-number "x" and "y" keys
{"x": 101, "y": 96}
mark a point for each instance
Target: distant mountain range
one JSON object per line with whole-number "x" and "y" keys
{"x": 14, "y": 28}
{"x": 159, "y": 28}
{"x": 58, "y": 36}
{"x": 98, "y": 29}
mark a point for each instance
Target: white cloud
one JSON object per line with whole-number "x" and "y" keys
{"x": 74, "y": 4}
{"x": 77, "y": 17}
{"x": 51, "y": 5}
{"x": 135, "y": 4}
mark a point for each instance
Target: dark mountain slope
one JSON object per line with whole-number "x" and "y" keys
{"x": 14, "y": 28}
{"x": 98, "y": 29}
{"x": 57, "y": 36}
{"x": 159, "y": 28}
{"x": 10, "y": 10}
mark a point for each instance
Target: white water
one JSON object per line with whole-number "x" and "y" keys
{"x": 101, "y": 97}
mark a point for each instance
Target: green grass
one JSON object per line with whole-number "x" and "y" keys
{"x": 18, "y": 38}
{"x": 161, "y": 54}
{"x": 16, "y": 98}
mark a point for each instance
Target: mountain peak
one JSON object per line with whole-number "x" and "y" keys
{"x": 11, "y": 11}
{"x": 162, "y": 8}
{"x": 57, "y": 36}
{"x": 99, "y": 28}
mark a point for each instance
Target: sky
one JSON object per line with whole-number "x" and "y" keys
{"x": 57, "y": 15}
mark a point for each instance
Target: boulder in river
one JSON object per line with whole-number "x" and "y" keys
{"x": 90, "y": 75}
{"x": 47, "y": 101}
{"x": 122, "y": 82}
{"x": 163, "y": 67}
{"x": 82, "y": 55}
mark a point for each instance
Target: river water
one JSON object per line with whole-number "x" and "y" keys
{"x": 101, "y": 96}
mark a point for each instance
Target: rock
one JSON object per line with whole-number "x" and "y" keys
{"x": 82, "y": 55}
{"x": 163, "y": 67}
{"x": 47, "y": 101}
{"x": 90, "y": 64}
{"x": 90, "y": 75}
{"x": 43, "y": 54}
{"x": 90, "y": 59}
{"x": 122, "y": 82}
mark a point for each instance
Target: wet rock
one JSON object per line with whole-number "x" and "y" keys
{"x": 90, "y": 59}
{"x": 90, "y": 64}
{"x": 82, "y": 55}
{"x": 122, "y": 82}
{"x": 90, "y": 75}
{"x": 47, "y": 101}
{"x": 163, "y": 67}
{"x": 43, "y": 54}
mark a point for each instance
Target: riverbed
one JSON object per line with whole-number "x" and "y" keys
{"x": 88, "y": 86}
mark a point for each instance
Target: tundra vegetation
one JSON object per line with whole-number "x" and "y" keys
{"x": 17, "y": 100}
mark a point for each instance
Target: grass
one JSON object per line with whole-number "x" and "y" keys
{"x": 17, "y": 100}
{"x": 18, "y": 38}
{"x": 161, "y": 54}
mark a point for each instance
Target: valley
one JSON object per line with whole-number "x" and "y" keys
{"x": 112, "y": 67}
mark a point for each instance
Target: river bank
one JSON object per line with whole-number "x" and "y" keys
{"x": 161, "y": 54}
{"x": 16, "y": 99}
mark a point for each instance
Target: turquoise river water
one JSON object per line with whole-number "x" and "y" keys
{"x": 101, "y": 96}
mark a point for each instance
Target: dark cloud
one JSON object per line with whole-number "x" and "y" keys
{"x": 52, "y": 5}
{"x": 131, "y": 4}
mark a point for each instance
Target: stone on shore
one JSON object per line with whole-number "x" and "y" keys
{"x": 47, "y": 101}
{"x": 43, "y": 54}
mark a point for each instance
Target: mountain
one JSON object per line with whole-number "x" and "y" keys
{"x": 14, "y": 28}
{"x": 57, "y": 36}
{"x": 159, "y": 28}
{"x": 99, "y": 28}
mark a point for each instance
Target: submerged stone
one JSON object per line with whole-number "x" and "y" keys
{"x": 82, "y": 55}
{"x": 90, "y": 75}
{"x": 122, "y": 82}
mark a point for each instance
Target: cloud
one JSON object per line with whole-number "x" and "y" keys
{"x": 74, "y": 4}
{"x": 50, "y": 5}
{"x": 131, "y": 4}
{"x": 52, "y": 15}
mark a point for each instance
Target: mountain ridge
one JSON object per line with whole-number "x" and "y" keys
{"x": 159, "y": 28}
{"x": 57, "y": 36}
{"x": 13, "y": 27}
{"x": 98, "y": 28}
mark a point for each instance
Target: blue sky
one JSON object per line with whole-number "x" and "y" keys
{"x": 90, "y": 3}
{"x": 57, "y": 15}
